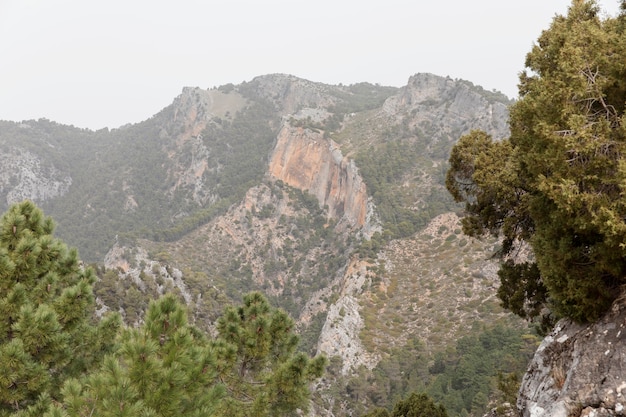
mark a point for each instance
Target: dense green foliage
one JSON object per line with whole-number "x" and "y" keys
{"x": 55, "y": 362}
{"x": 558, "y": 182}
{"x": 415, "y": 405}
{"x": 261, "y": 368}
{"x": 164, "y": 368}
{"x": 46, "y": 303}
{"x": 464, "y": 378}
{"x": 361, "y": 96}
{"x": 167, "y": 367}
{"x": 385, "y": 169}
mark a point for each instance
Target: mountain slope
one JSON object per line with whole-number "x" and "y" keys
{"x": 330, "y": 199}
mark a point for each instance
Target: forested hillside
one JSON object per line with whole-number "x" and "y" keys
{"x": 287, "y": 247}
{"x": 329, "y": 200}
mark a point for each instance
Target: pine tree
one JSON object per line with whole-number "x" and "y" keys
{"x": 559, "y": 181}
{"x": 258, "y": 362}
{"x": 46, "y": 305}
{"x": 415, "y": 405}
{"x": 165, "y": 368}
{"x": 418, "y": 405}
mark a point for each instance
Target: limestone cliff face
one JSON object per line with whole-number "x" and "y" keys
{"x": 578, "y": 370}
{"x": 25, "y": 176}
{"x": 306, "y": 160}
{"x": 449, "y": 106}
{"x": 193, "y": 110}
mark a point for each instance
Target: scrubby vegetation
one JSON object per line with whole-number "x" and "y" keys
{"x": 558, "y": 182}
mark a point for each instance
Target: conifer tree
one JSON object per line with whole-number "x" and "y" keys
{"x": 166, "y": 368}
{"x": 415, "y": 405}
{"x": 258, "y": 362}
{"x": 559, "y": 181}
{"x": 46, "y": 306}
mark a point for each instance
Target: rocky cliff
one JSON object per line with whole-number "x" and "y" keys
{"x": 579, "y": 370}
{"x": 306, "y": 160}
{"x": 447, "y": 106}
{"x": 26, "y": 175}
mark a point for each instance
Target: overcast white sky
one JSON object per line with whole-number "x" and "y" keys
{"x": 107, "y": 63}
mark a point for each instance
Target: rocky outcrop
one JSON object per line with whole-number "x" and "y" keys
{"x": 25, "y": 176}
{"x": 441, "y": 104}
{"x": 578, "y": 370}
{"x": 306, "y": 160}
{"x": 193, "y": 110}
{"x": 340, "y": 334}
{"x": 290, "y": 94}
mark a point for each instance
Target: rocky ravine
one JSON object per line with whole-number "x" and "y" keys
{"x": 579, "y": 370}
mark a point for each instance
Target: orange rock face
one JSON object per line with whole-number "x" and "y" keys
{"x": 306, "y": 160}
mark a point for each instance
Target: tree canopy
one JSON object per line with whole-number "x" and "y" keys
{"x": 46, "y": 305}
{"x": 415, "y": 405}
{"x": 167, "y": 367}
{"x": 58, "y": 360}
{"x": 558, "y": 182}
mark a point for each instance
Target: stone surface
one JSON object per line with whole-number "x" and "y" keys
{"x": 25, "y": 176}
{"x": 578, "y": 370}
{"x": 306, "y": 160}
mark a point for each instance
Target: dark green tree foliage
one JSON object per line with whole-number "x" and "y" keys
{"x": 463, "y": 378}
{"x": 418, "y": 405}
{"x": 167, "y": 367}
{"x": 415, "y": 405}
{"x": 466, "y": 378}
{"x": 54, "y": 362}
{"x": 46, "y": 304}
{"x": 164, "y": 368}
{"x": 259, "y": 365}
{"x": 558, "y": 181}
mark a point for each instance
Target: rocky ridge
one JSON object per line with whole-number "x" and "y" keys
{"x": 306, "y": 160}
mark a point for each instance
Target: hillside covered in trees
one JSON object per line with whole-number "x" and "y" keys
{"x": 334, "y": 213}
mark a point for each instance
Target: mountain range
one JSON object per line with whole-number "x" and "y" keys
{"x": 330, "y": 199}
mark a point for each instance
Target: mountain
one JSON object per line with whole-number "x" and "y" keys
{"x": 329, "y": 199}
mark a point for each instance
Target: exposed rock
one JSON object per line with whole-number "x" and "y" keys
{"x": 340, "y": 334}
{"x": 193, "y": 110}
{"x": 134, "y": 264}
{"x": 504, "y": 410}
{"x": 306, "y": 160}
{"x": 446, "y": 105}
{"x": 25, "y": 176}
{"x": 289, "y": 93}
{"x": 578, "y": 370}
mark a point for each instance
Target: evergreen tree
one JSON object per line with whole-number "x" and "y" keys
{"x": 418, "y": 405}
{"x": 46, "y": 305}
{"x": 259, "y": 365}
{"x": 165, "y": 368}
{"x": 558, "y": 182}
{"x": 415, "y": 405}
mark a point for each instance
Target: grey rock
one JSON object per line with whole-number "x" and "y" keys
{"x": 578, "y": 370}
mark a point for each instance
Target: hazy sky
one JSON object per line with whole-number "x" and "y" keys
{"x": 106, "y": 63}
